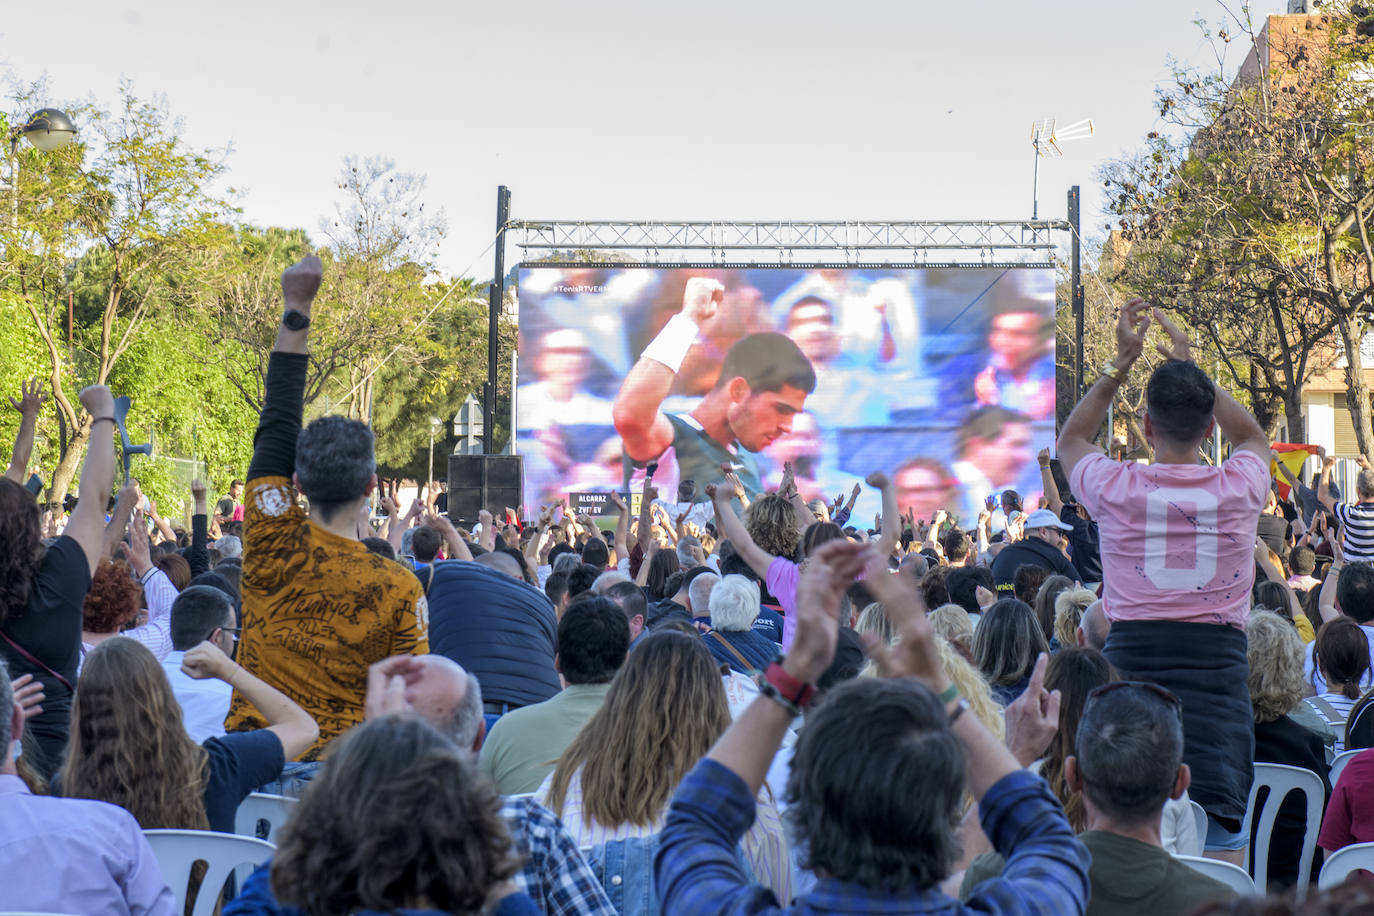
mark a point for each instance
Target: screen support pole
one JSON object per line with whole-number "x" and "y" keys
{"x": 1076, "y": 291}
{"x": 494, "y": 303}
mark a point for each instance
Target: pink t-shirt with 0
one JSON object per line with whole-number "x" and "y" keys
{"x": 1177, "y": 540}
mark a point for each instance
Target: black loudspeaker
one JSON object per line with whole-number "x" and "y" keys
{"x": 477, "y": 482}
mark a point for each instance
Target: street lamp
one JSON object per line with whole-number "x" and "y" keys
{"x": 48, "y": 130}
{"x": 434, "y": 424}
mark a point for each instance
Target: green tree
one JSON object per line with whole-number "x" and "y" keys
{"x": 134, "y": 198}
{"x": 1250, "y": 210}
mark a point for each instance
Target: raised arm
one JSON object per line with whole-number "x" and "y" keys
{"x": 891, "y": 531}
{"x": 731, "y": 527}
{"x": 274, "y": 445}
{"x": 1324, "y": 484}
{"x": 87, "y": 523}
{"x": 487, "y": 539}
{"x": 645, "y": 532}
{"x": 117, "y": 528}
{"x": 622, "y": 528}
{"x": 1078, "y": 435}
{"x": 199, "y": 555}
{"x": 1288, "y": 475}
{"x": 643, "y": 427}
{"x": 1048, "y": 484}
{"x": 457, "y": 547}
{"x": 291, "y": 724}
{"x": 29, "y": 404}
{"x": 1326, "y": 599}
{"x": 160, "y": 523}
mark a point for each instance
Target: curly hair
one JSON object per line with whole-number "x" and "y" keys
{"x": 113, "y": 599}
{"x": 128, "y": 745}
{"x": 772, "y": 524}
{"x": 663, "y": 712}
{"x": 397, "y": 814}
{"x": 1276, "y": 658}
{"x": 21, "y": 547}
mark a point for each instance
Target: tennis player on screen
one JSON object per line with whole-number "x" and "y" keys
{"x": 764, "y": 381}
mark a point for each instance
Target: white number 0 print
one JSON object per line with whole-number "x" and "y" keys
{"x": 1204, "y": 524}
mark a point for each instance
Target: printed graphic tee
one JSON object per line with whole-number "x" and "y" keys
{"x": 318, "y": 609}
{"x": 1177, "y": 540}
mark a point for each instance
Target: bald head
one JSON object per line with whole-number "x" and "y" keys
{"x": 501, "y": 563}
{"x": 450, "y": 699}
{"x": 1094, "y": 627}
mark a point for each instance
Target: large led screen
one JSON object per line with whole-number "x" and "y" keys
{"x": 941, "y": 377}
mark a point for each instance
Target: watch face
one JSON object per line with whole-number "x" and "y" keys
{"x": 295, "y": 320}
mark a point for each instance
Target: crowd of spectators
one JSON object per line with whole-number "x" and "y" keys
{"x": 759, "y": 711}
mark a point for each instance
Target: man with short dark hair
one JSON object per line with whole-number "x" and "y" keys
{"x": 425, "y": 544}
{"x": 956, "y": 547}
{"x": 1177, "y": 548}
{"x": 556, "y": 590}
{"x": 879, "y": 840}
{"x": 70, "y": 855}
{"x": 1042, "y": 546}
{"x": 318, "y": 606}
{"x": 581, "y": 578}
{"x": 201, "y": 613}
{"x": 763, "y": 384}
{"x": 630, "y": 599}
{"x": 1128, "y": 763}
{"x": 993, "y": 445}
{"x": 596, "y": 554}
{"x": 593, "y": 639}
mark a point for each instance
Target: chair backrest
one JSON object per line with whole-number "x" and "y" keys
{"x": 1280, "y": 780}
{"x": 1343, "y": 861}
{"x": 178, "y": 851}
{"x": 1233, "y": 876}
{"x": 1200, "y": 819}
{"x": 1341, "y": 760}
{"x": 1359, "y": 728}
{"x": 261, "y": 816}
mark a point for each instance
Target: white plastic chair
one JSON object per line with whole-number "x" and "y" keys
{"x": 1343, "y": 861}
{"x": 1233, "y": 876}
{"x": 274, "y": 809}
{"x": 1280, "y": 780}
{"x": 1341, "y": 760}
{"x": 1199, "y": 818}
{"x": 178, "y": 850}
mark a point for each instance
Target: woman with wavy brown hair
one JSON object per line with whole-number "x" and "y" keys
{"x": 398, "y": 818}
{"x": 665, "y": 709}
{"x": 129, "y": 747}
{"x": 42, "y": 587}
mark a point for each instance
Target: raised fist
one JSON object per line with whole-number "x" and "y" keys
{"x": 701, "y": 298}
{"x": 301, "y": 281}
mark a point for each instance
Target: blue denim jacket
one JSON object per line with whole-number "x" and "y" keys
{"x": 625, "y": 869}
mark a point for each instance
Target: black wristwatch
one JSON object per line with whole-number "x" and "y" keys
{"x": 295, "y": 320}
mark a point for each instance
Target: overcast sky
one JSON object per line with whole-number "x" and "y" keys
{"x": 728, "y": 110}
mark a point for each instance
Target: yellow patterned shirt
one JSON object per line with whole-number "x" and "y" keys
{"x": 318, "y": 609}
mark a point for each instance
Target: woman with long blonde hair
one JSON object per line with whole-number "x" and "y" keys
{"x": 664, "y": 711}
{"x": 128, "y": 745}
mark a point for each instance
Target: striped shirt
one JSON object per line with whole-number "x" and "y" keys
{"x": 1334, "y": 709}
{"x": 1358, "y": 521}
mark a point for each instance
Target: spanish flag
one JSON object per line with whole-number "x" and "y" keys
{"x": 1293, "y": 456}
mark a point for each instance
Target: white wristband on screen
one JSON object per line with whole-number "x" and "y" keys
{"x": 672, "y": 343}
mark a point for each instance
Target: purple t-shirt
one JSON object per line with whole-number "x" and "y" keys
{"x": 783, "y": 576}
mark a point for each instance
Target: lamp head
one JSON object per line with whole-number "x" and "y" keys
{"x": 49, "y": 129}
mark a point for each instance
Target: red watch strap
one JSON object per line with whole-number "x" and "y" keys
{"x": 799, "y": 692}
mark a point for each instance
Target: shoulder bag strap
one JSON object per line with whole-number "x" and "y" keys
{"x": 28, "y": 656}
{"x": 733, "y": 651}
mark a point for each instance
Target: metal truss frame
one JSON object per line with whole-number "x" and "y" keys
{"x": 790, "y": 243}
